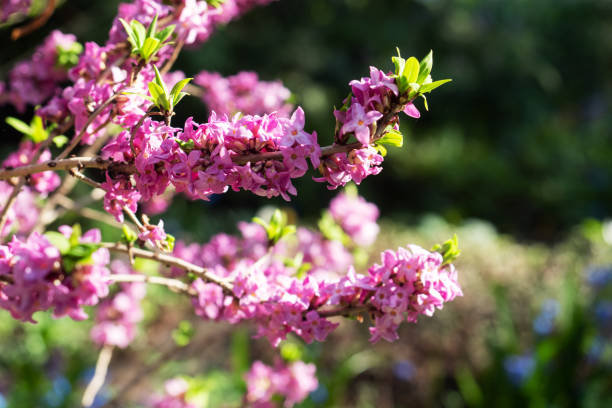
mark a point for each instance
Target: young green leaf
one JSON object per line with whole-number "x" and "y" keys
{"x": 130, "y": 32}
{"x": 178, "y": 87}
{"x": 139, "y": 33}
{"x": 19, "y": 125}
{"x": 433, "y": 85}
{"x": 163, "y": 35}
{"x": 60, "y": 141}
{"x": 59, "y": 241}
{"x": 149, "y": 48}
{"x": 37, "y": 128}
{"x": 152, "y": 29}
{"x": 392, "y": 137}
{"x": 449, "y": 250}
{"x": 425, "y": 67}
{"x": 159, "y": 81}
{"x": 411, "y": 70}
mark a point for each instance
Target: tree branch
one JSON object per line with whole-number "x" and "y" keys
{"x": 170, "y": 260}
{"x": 172, "y": 284}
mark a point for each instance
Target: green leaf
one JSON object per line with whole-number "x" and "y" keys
{"x": 68, "y": 57}
{"x": 163, "y": 35}
{"x": 58, "y": 240}
{"x": 433, "y": 85}
{"x": 152, "y": 29}
{"x": 159, "y": 81}
{"x": 277, "y": 228}
{"x": 60, "y": 141}
{"x": 381, "y": 149}
{"x": 169, "y": 242}
{"x": 399, "y": 63}
{"x": 183, "y": 334}
{"x": 215, "y": 3}
{"x": 139, "y": 33}
{"x": 128, "y": 236}
{"x": 449, "y": 250}
{"x": 411, "y": 70}
{"x": 76, "y": 234}
{"x": 149, "y": 48}
{"x": 425, "y": 102}
{"x": 291, "y": 351}
{"x": 178, "y": 98}
{"x": 178, "y": 87}
{"x": 186, "y": 146}
{"x": 131, "y": 36}
{"x": 19, "y": 125}
{"x": 82, "y": 251}
{"x": 39, "y": 133}
{"x": 159, "y": 96}
{"x": 331, "y": 230}
{"x": 425, "y": 67}
{"x": 392, "y": 137}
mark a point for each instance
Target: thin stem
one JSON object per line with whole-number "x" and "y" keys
{"x": 172, "y": 284}
{"x": 75, "y": 141}
{"x": 87, "y": 212}
{"x": 36, "y": 23}
{"x": 48, "y": 213}
{"x": 102, "y": 164}
{"x": 175, "y": 53}
{"x": 80, "y": 176}
{"x": 99, "y": 377}
{"x": 172, "y": 261}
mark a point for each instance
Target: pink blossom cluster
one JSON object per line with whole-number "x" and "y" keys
{"x": 370, "y": 97}
{"x": 409, "y": 282}
{"x": 43, "y": 182}
{"x": 35, "y": 280}
{"x": 326, "y": 258}
{"x": 292, "y": 383}
{"x": 357, "y": 217}
{"x": 34, "y": 81}
{"x": 244, "y": 93}
{"x": 22, "y": 216}
{"x": 175, "y": 391}
{"x": 10, "y": 7}
{"x": 118, "y": 316}
{"x": 195, "y": 20}
{"x": 224, "y": 253}
{"x": 207, "y": 166}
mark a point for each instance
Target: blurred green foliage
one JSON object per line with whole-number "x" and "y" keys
{"x": 520, "y": 137}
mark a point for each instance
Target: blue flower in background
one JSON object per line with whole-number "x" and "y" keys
{"x": 519, "y": 368}
{"x": 603, "y": 312}
{"x": 59, "y": 392}
{"x": 320, "y": 395}
{"x": 3, "y": 403}
{"x": 544, "y": 323}
{"x": 596, "y": 349}
{"x": 404, "y": 370}
{"x": 599, "y": 276}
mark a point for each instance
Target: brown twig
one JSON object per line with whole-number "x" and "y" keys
{"x": 173, "y": 261}
{"x": 36, "y": 23}
{"x": 102, "y": 164}
{"x": 97, "y": 381}
{"x": 75, "y": 141}
{"x": 172, "y": 284}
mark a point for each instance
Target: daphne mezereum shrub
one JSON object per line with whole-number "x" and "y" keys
{"x": 254, "y": 140}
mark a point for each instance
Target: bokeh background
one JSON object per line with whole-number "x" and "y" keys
{"x": 514, "y": 156}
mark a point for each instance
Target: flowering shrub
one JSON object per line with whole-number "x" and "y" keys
{"x": 254, "y": 140}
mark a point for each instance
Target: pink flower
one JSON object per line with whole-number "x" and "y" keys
{"x": 294, "y": 130}
{"x": 358, "y": 121}
{"x": 412, "y": 111}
